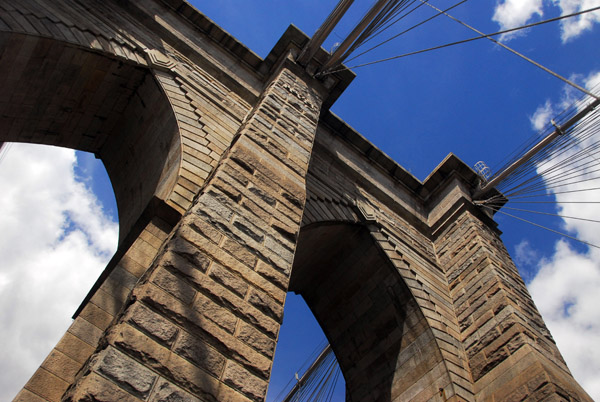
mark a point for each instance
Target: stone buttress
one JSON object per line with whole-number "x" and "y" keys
{"x": 235, "y": 184}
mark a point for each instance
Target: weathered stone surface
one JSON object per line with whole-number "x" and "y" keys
{"x": 200, "y": 381}
{"x": 186, "y": 250}
{"x": 61, "y": 365}
{"x": 266, "y": 304}
{"x": 220, "y": 315}
{"x": 215, "y": 291}
{"x": 245, "y": 382}
{"x": 156, "y": 356}
{"x": 152, "y": 323}
{"x": 174, "y": 285}
{"x": 199, "y": 353}
{"x": 127, "y": 373}
{"x": 74, "y": 347}
{"x": 497, "y": 320}
{"x": 96, "y": 316}
{"x": 256, "y": 339}
{"x": 273, "y": 275}
{"x": 85, "y": 331}
{"x": 96, "y": 388}
{"x": 213, "y": 334}
{"x": 228, "y": 279}
{"x": 228, "y": 173}
{"x": 27, "y": 396}
{"x": 167, "y": 392}
{"x": 46, "y": 385}
{"x": 240, "y": 252}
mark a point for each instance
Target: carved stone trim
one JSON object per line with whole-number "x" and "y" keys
{"x": 159, "y": 60}
{"x": 367, "y": 211}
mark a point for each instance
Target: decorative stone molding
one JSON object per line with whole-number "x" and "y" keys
{"x": 160, "y": 60}
{"x": 367, "y": 211}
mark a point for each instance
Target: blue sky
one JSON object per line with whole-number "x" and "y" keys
{"x": 475, "y": 100}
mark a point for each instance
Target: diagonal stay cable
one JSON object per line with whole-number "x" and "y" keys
{"x": 396, "y": 19}
{"x": 388, "y": 11}
{"x": 551, "y": 214}
{"x": 560, "y": 119}
{"x": 388, "y": 18}
{"x": 543, "y": 227}
{"x": 560, "y": 174}
{"x": 343, "y": 68}
{"x": 561, "y": 165}
{"x": 565, "y": 80}
{"x": 567, "y": 157}
{"x": 540, "y": 187}
{"x": 546, "y": 194}
{"x": 552, "y": 181}
{"x": 310, "y": 359}
{"x": 407, "y": 30}
{"x": 539, "y": 181}
{"x": 563, "y": 117}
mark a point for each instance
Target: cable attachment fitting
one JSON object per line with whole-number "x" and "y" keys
{"x": 557, "y": 127}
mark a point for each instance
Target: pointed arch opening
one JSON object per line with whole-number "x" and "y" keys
{"x": 385, "y": 347}
{"x": 300, "y": 342}
{"x": 56, "y": 93}
{"x": 59, "y": 220}
{"x": 60, "y": 94}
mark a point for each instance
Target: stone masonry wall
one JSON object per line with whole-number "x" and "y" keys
{"x": 192, "y": 311}
{"x": 510, "y": 351}
{"x": 116, "y": 50}
{"x": 337, "y": 194}
{"x": 208, "y": 116}
{"x": 76, "y": 74}
{"x": 204, "y": 320}
{"x": 428, "y": 286}
{"x": 493, "y": 340}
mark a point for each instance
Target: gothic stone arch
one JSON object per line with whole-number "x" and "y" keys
{"x": 387, "y": 348}
{"x": 225, "y": 166}
{"x": 58, "y": 93}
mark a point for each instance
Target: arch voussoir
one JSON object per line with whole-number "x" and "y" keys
{"x": 235, "y": 183}
{"x": 71, "y": 23}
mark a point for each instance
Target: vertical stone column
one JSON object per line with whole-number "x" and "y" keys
{"x": 203, "y": 322}
{"x": 510, "y": 351}
{"x": 57, "y": 372}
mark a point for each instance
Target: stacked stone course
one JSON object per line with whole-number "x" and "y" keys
{"x": 236, "y": 184}
{"x": 202, "y": 317}
{"x": 498, "y": 319}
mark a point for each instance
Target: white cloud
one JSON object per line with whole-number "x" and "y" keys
{"x": 571, "y": 28}
{"x": 571, "y": 95}
{"x": 55, "y": 240}
{"x": 541, "y": 117}
{"x": 526, "y": 256}
{"x": 592, "y": 82}
{"x": 584, "y": 177}
{"x": 566, "y": 293}
{"x": 515, "y": 13}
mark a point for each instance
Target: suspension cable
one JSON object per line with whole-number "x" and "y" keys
{"x": 565, "y": 80}
{"x": 407, "y": 30}
{"x": 343, "y": 68}
{"x": 542, "y": 227}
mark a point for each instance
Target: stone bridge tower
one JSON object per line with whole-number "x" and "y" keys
{"x": 235, "y": 184}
